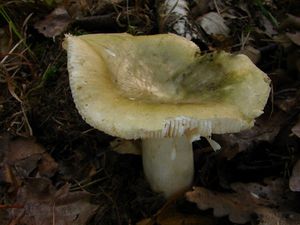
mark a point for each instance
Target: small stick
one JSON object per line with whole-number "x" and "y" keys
{"x": 14, "y": 206}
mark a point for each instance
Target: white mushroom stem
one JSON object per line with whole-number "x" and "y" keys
{"x": 168, "y": 164}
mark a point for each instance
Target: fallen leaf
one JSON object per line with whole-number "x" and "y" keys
{"x": 269, "y": 216}
{"x": 213, "y": 24}
{"x": 44, "y": 205}
{"x": 286, "y": 103}
{"x": 253, "y": 53}
{"x": 55, "y": 23}
{"x": 222, "y": 203}
{"x": 268, "y": 26}
{"x": 294, "y": 37}
{"x": 21, "y": 157}
{"x": 271, "y": 202}
{"x": 171, "y": 216}
{"x": 265, "y": 129}
{"x": 283, "y": 40}
{"x": 201, "y": 7}
{"x": 76, "y": 9}
{"x": 296, "y": 128}
{"x": 47, "y": 166}
{"x": 12, "y": 89}
{"x": 291, "y": 21}
{"x": 295, "y": 178}
{"x": 21, "y": 149}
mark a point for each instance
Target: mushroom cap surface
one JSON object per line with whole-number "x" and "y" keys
{"x": 161, "y": 86}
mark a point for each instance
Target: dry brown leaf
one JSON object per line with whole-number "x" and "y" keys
{"x": 291, "y": 21}
{"x": 21, "y": 149}
{"x": 76, "y": 9}
{"x": 270, "y": 202}
{"x": 295, "y": 178}
{"x": 55, "y": 23}
{"x": 286, "y": 103}
{"x": 294, "y": 37}
{"x": 283, "y": 40}
{"x": 171, "y": 216}
{"x": 223, "y": 204}
{"x": 296, "y": 128}
{"x": 24, "y": 156}
{"x": 12, "y": 89}
{"x": 201, "y": 7}
{"x": 253, "y": 53}
{"x": 265, "y": 129}
{"x": 269, "y": 216}
{"x": 269, "y": 28}
{"x": 47, "y": 166}
{"x": 44, "y": 205}
{"x": 213, "y": 24}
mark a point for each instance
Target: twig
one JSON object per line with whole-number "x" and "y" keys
{"x": 82, "y": 187}
{"x": 93, "y": 22}
{"x": 217, "y": 8}
{"x": 15, "y": 206}
{"x": 26, "y": 120}
{"x": 11, "y": 51}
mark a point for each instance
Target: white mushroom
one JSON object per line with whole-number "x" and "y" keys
{"x": 160, "y": 89}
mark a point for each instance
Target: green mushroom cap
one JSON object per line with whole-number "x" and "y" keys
{"x": 161, "y": 86}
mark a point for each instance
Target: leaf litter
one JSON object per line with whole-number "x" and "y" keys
{"x": 294, "y": 182}
{"x": 22, "y": 157}
{"x": 43, "y": 204}
{"x": 55, "y": 23}
{"x": 27, "y": 167}
{"x": 270, "y": 202}
{"x": 39, "y": 182}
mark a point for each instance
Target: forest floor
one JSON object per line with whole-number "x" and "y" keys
{"x": 55, "y": 169}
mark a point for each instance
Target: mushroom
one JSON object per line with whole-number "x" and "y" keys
{"x": 160, "y": 89}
